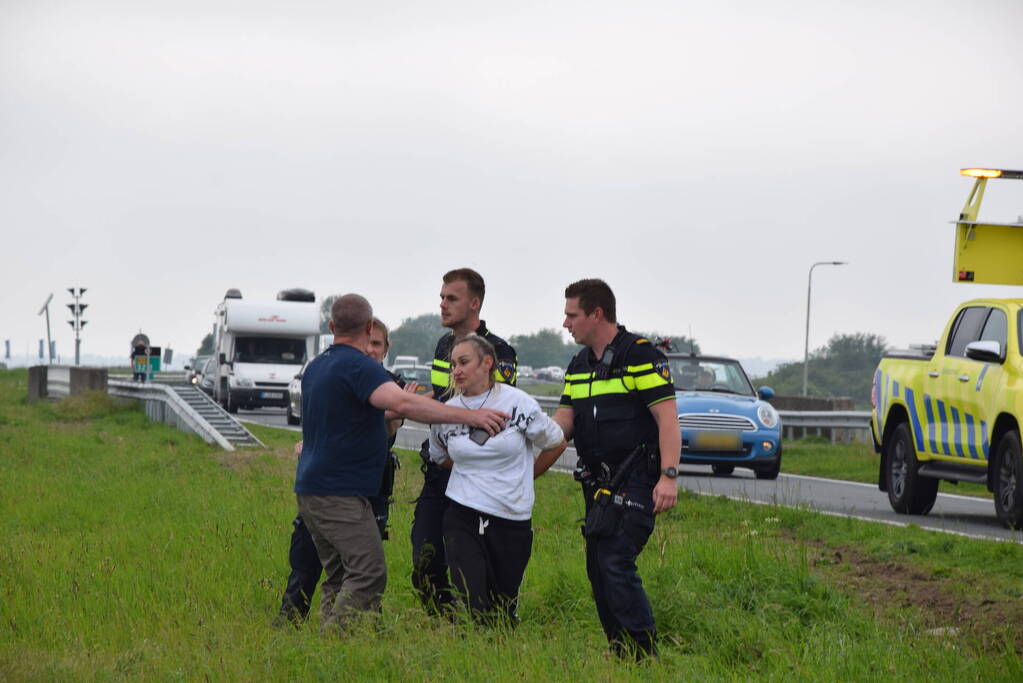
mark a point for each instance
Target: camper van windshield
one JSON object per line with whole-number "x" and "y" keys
{"x": 269, "y": 350}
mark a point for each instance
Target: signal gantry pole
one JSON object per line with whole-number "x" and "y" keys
{"x": 77, "y": 308}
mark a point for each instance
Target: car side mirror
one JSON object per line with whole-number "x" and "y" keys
{"x": 188, "y": 367}
{"x": 222, "y": 358}
{"x": 986, "y": 351}
{"x": 765, "y": 393}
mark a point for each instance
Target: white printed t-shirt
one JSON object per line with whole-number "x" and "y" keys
{"x": 497, "y": 477}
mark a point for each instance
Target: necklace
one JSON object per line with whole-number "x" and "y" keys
{"x": 461, "y": 397}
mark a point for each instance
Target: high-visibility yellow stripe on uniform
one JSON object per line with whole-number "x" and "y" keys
{"x": 439, "y": 378}
{"x": 649, "y": 381}
{"x": 442, "y": 363}
{"x": 597, "y": 387}
{"x": 639, "y": 368}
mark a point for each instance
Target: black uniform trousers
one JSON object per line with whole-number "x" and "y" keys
{"x": 622, "y": 604}
{"x": 488, "y": 557}
{"x": 306, "y": 569}
{"x": 429, "y": 563}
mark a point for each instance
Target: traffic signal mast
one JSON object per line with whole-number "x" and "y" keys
{"x": 77, "y": 308}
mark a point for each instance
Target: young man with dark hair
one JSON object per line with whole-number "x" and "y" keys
{"x": 619, "y": 405}
{"x": 461, "y": 298}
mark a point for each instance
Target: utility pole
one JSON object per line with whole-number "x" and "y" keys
{"x": 46, "y": 309}
{"x": 806, "y": 343}
{"x": 77, "y": 308}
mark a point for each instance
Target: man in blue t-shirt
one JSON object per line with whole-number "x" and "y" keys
{"x": 345, "y": 394}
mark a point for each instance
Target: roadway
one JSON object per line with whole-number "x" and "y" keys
{"x": 954, "y": 514}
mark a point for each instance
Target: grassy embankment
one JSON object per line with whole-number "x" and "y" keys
{"x": 133, "y": 550}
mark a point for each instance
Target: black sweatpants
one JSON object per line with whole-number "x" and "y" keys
{"x": 487, "y": 556}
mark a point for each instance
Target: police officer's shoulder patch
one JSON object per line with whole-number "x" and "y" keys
{"x": 507, "y": 369}
{"x": 662, "y": 368}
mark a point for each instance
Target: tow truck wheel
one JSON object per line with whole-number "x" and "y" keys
{"x": 723, "y": 470}
{"x": 1009, "y": 481}
{"x": 908, "y": 492}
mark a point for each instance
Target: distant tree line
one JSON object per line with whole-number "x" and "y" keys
{"x": 843, "y": 367}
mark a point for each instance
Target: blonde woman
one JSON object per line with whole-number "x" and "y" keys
{"x": 488, "y": 535}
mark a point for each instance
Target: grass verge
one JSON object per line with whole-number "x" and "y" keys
{"x": 133, "y": 550}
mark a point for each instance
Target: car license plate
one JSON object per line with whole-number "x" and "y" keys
{"x": 716, "y": 441}
{"x": 271, "y": 394}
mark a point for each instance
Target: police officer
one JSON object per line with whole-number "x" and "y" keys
{"x": 461, "y": 298}
{"x": 619, "y": 402}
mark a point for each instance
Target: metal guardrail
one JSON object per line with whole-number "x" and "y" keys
{"x": 838, "y": 425}
{"x": 826, "y": 419}
{"x": 58, "y": 381}
{"x": 157, "y": 397}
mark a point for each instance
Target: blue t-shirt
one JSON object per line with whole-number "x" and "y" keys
{"x": 344, "y": 437}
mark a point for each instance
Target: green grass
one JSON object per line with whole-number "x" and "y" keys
{"x": 817, "y": 457}
{"x": 135, "y": 551}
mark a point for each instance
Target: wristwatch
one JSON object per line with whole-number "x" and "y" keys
{"x": 670, "y": 472}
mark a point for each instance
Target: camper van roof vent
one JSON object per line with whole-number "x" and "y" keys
{"x": 295, "y": 295}
{"x": 233, "y": 294}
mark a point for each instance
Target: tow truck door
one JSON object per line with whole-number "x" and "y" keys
{"x": 945, "y": 387}
{"x": 964, "y": 379}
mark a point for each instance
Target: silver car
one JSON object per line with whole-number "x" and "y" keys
{"x": 295, "y": 397}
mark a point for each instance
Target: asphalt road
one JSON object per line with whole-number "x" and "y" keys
{"x": 962, "y": 515}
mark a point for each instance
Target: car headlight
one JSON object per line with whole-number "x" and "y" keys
{"x": 768, "y": 416}
{"x": 244, "y": 382}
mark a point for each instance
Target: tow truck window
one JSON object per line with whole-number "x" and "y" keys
{"x": 965, "y": 330}
{"x": 996, "y": 328}
{"x": 269, "y": 350}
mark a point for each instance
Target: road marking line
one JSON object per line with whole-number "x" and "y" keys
{"x": 957, "y": 496}
{"x": 863, "y": 518}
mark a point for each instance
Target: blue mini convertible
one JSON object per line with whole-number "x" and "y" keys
{"x": 724, "y": 422}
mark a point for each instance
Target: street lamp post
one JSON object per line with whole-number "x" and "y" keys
{"x": 806, "y": 343}
{"x": 49, "y": 343}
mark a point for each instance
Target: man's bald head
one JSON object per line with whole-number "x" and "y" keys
{"x": 350, "y": 315}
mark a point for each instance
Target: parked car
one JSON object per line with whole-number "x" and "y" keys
{"x": 207, "y": 377}
{"x": 294, "y": 408}
{"x": 194, "y": 369}
{"x": 724, "y": 422}
{"x": 416, "y": 373}
{"x": 525, "y": 372}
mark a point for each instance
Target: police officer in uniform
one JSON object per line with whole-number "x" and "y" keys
{"x": 461, "y": 298}
{"x": 619, "y": 405}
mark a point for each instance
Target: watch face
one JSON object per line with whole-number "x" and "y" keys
{"x": 670, "y": 472}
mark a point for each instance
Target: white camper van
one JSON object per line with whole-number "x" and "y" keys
{"x": 261, "y": 345}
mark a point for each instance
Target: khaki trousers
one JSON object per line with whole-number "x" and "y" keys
{"x": 347, "y": 540}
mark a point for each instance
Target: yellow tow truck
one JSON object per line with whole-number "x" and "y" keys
{"x": 953, "y": 411}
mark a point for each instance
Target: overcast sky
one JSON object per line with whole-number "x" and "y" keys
{"x": 698, "y": 156}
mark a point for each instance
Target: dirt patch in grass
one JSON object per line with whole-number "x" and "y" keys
{"x": 242, "y": 458}
{"x": 981, "y": 618}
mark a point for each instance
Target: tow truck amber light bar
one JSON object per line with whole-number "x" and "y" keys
{"x": 991, "y": 173}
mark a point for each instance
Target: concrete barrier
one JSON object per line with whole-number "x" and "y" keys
{"x": 60, "y": 381}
